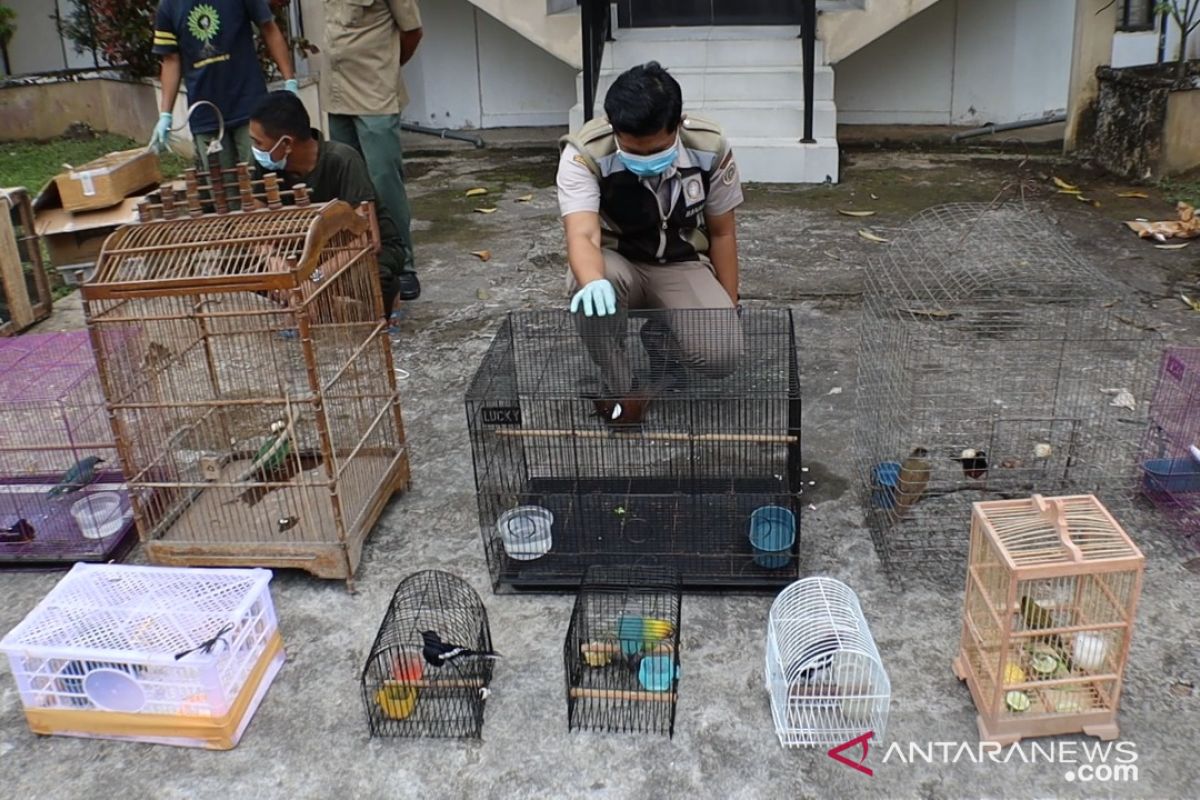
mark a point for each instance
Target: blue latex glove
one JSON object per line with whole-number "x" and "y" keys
{"x": 292, "y": 85}
{"x": 160, "y": 140}
{"x": 597, "y": 299}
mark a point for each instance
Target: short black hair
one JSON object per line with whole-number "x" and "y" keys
{"x": 282, "y": 114}
{"x": 644, "y": 100}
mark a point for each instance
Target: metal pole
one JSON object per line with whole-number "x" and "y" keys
{"x": 808, "y": 40}
{"x": 586, "y": 14}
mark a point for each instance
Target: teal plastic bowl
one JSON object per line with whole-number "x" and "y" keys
{"x": 772, "y": 534}
{"x": 657, "y": 673}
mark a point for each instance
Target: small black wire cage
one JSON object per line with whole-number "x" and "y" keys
{"x": 622, "y": 651}
{"x": 431, "y": 663}
{"x": 658, "y": 438}
{"x": 994, "y": 363}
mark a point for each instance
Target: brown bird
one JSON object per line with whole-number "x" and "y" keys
{"x": 913, "y": 479}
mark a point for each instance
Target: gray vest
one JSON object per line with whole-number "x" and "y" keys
{"x": 630, "y": 216}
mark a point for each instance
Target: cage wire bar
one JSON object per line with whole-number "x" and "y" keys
{"x": 993, "y": 362}
{"x": 52, "y": 418}
{"x": 1170, "y": 453}
{"x": 249, "y": 377}
{"x": 1050, "y": 601}
{"x": 621, "y": 656}
{"x": 406, "y": 695}
{"x": 825, "y": 678}
{"x": 25, "y": 296}
{"x": 706, "y": 480}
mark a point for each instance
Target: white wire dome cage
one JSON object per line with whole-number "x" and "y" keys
{"x": 823, "y": 672}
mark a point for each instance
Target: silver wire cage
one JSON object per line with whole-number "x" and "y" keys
{"x": 993, "y": 362}
{"x": 1170, "y": 456}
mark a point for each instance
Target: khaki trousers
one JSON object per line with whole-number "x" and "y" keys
{"x": 707, "y": 342}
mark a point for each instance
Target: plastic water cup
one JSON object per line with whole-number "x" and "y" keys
{"x": 657, "y": 673}
{"x": 114, "y": 690}
{"x": 772, "y": 534}
{"x": 526, "y": 532}
{"x": 99, "y": 515}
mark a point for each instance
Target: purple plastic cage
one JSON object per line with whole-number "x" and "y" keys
{"x": 1170, "y": 468}
{"x": 52, "y": 415}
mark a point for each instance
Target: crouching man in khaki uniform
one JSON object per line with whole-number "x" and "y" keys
{"x": 647, "y": 197}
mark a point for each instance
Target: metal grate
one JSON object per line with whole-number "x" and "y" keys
{"x": 985, "y": 336}
{"x": 1170, "y": 453}
{"x": 405, "y": 691}
{"x": 712, "y": 455}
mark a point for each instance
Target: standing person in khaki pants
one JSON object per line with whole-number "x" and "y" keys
{"x": 647, "y": 197}
{"x": 367, "y": 43}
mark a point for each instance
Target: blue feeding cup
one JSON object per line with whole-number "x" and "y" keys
{"x": 657, "y": 673}
{"x": 772, "y": 534}
{"x": 885, "y": 477}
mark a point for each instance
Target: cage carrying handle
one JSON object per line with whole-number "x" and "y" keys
{"x": 1057, "y": 514}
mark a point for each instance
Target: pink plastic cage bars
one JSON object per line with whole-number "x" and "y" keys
{"x": 1170, "y": 454}
{"x": 52, "y": 416}
{"x": 154, "y": 654}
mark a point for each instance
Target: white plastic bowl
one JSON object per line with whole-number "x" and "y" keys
{"x": 99, "y": 515}
{"x": 525, "y": 531}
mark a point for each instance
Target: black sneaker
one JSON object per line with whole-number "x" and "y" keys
{"x": 410, "y": 285}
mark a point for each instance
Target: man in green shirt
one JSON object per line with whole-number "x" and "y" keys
{"x": 284, "y": 143}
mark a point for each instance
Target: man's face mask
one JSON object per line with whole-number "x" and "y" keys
{"x": 648, "y": 166}
{"x": 266, "y": 160}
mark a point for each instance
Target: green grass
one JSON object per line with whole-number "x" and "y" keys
{"x": 1185, "y": 188}
{"x": 30, "y": 163}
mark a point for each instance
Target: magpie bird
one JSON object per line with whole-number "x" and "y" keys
{"x": 438, "y": 653}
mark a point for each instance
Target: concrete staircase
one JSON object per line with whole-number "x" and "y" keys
{"x": 747, "y": 79}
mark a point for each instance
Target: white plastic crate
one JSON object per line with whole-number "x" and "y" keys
{"x": 155, "y": 654}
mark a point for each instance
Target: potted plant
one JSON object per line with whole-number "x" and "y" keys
{"x": 1143, "y": 122}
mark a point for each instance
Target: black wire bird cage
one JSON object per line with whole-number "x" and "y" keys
{"x": 622, "y": 651}
{"x": 994, "y": 362}
{"x": 661, "y": 438}
{"x": 408, "y": 690}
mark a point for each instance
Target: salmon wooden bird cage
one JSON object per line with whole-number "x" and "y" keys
{"x": 251, "y": 386}
{"x": 1052, "y": 588}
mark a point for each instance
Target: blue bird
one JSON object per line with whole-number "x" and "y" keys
{"x": 77, "y": 477}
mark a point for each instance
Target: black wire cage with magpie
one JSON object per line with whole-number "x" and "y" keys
{"x": 650, "y": 437}
{"x": 994, "y": 362}
{"x": 431, "y": 663}
{"x": 621, "y": 657}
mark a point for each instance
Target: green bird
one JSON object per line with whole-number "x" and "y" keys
{"x": 276, "y": 459}
{"x": 78, "y": 476}
{"x": 1037, "y": 617}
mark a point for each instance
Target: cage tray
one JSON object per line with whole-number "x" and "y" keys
{"x": 700, "y": 527}
{"x": 57, "y": 538}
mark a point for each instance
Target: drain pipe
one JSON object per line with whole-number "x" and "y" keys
{"x": 442, "y": 133}
{"x": 1009, "y": 126}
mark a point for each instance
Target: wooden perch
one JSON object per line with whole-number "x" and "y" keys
{"x": 449, "y": 683}
{"x": 622, "y": 695}
{"x": 614, "y": 649}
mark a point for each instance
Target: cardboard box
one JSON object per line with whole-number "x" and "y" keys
{"x": 108, "y": 180}
{"x": 75, "y": 239}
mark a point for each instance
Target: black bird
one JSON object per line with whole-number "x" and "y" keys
{"x": 974, "y": 464}
{"x": 439, "y": 653}
{"x": 19, "y": 531}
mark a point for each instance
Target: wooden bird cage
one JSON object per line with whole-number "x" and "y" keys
{"x": 248, "y": 372}
{"x": 24, "y": 288}
{"x": 1052, "y": 587}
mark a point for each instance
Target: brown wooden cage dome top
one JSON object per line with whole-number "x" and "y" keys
{"x": 1038, "y": 531}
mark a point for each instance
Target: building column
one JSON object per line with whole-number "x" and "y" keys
{"x": 1095, "y": 24}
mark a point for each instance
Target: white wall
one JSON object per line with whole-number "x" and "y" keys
{"x": 1141, "y": 47}
{"x": 473, "y": 72}
{"x": 962, "y": 62}
{"x": 37, "y": 47}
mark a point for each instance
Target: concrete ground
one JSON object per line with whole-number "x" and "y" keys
{"x": 309, "y": 739}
